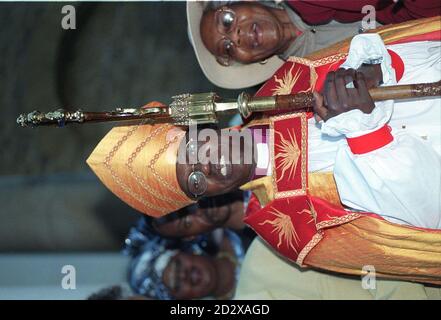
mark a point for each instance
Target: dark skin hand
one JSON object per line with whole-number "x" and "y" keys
{"x": 337, "y": 99}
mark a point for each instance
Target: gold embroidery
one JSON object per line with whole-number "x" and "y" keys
{"x": 306, "y": 249}
{"x": 155, "y": 159}
{"x": 139, "y": 179}
{"x": 118, "y": 180}
{"x": 303, "y": 150}
{"x": 283, "y": 226}
{"x": 289, "y": 154}
{"x": 330, "y": 59}
{"x": 291, "y": 193}
{"x": 319, "y": 235}
{"x": 304, "y": 145}
{"x": 338, "y": 220}
{"x": 320, "y": 62}
{"x": 312, "y": 79}
{"x": 312, "y": 64}
{"x": 311, "y": 212}
{"x": 287, "y": 83}
{"x": 304, "y": 61}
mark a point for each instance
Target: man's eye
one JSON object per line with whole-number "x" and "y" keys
{"x": 227, "y": 20}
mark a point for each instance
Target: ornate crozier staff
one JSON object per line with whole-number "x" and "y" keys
{"x": 203, "y": 108}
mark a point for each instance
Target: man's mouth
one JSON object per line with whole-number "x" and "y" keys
{"x": 257, "y": 35}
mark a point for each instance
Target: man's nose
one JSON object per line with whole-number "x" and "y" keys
{"x": 237, "y": 36}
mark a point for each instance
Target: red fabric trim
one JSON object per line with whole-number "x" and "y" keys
{"x": 253, "y": 205}
{"x": 397, "y": 64}
{"x": 317, "y": 12}
{"x": 430, "y": 36}
{"x": 371, "y": 141}
{"x": 322, "y": 71}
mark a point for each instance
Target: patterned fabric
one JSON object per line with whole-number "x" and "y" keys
{"x": 138, "y": 164}
{"x": 151, "y": 254}
{"x": 146, "y": 271}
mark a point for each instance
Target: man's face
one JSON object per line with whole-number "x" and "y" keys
{"x": 246, "y": 33}
{"x": 190, "y": 276}
{"x": 223, "y": 163}
{"x": 194, "y": 220}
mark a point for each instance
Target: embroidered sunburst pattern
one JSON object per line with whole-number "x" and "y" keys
{"x": 288, "y": 154}
{"x": 283, "y": 226}
{"x": 332, "y": 217}
{"x": 311, "y": 212}
{"x": 287, "y": 82}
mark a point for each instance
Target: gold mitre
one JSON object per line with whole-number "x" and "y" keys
{"x": 138, "y": 164}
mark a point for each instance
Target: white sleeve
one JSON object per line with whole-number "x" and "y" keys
{"x": 356, "y": 123}
{"x": 400, "y": 181}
